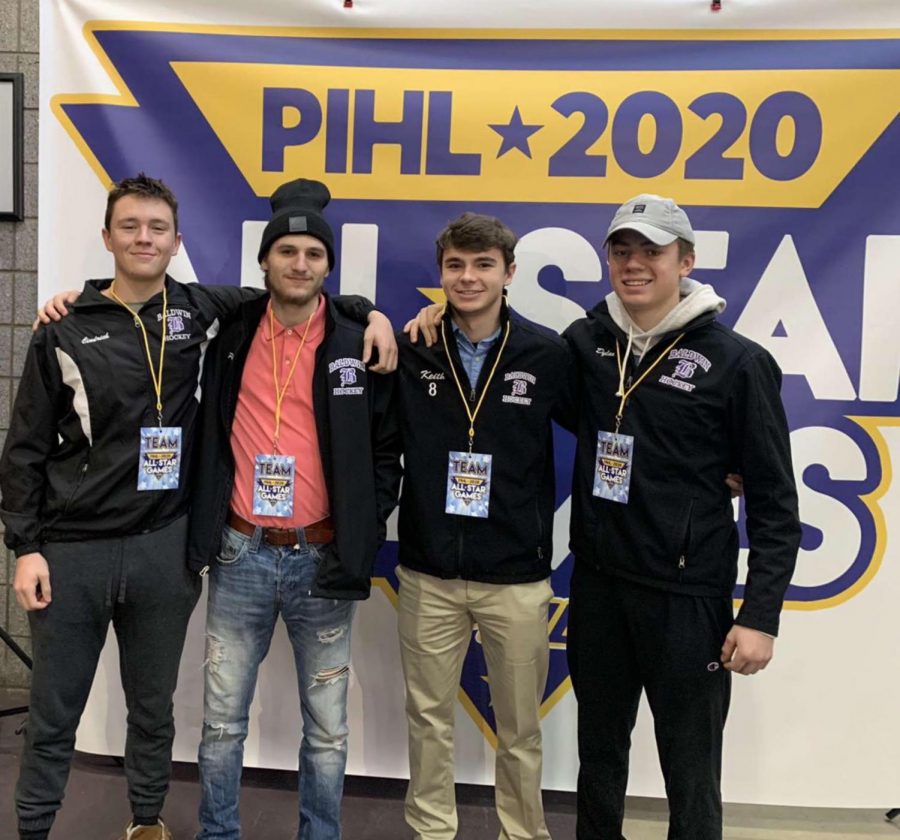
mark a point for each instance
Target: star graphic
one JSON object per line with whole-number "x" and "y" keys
{"x": 435, "y": 295}
{"x": 515, "y": 134}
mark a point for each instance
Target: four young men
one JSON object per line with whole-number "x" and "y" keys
{"x": 665, "y": 401}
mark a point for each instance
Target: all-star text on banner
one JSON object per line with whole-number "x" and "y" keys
{"x": 778, "y": 144}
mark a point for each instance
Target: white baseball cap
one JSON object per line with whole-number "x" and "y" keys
{"x": 660, "y": 219}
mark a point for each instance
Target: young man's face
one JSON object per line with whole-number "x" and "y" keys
{"x": 296, "y": 267}
{"x": 141, "y": 238}
{"x": 474, "y": 280}
{"x": 646, "y": 276}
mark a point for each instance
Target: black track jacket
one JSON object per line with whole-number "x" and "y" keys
{"x": 358, "y": 439}
{"x": 532, "y": 385}
{"x": 69, "y": 466}
{"x": 719, "y": 412}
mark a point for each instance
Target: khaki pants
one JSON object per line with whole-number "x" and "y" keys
{"x": 435, "y": 621}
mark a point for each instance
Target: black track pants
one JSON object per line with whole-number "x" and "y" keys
{"x": 624, "y": 637}
{"x": 142, "y": 584}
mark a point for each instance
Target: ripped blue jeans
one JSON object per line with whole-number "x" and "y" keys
{"x": 250, "y": 585}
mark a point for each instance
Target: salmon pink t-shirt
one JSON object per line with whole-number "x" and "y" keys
{"x": 254, "y": 420}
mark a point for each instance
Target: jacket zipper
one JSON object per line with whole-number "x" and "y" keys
{"x": 81, "y": 473}
{"x": 685, "y": 543}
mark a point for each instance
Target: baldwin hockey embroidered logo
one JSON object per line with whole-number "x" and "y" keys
{"x": 178, "y": 324}
{"x": 519, "y": 382}
{"x": 687, "y": 363}
{"x": 347, "y": 373}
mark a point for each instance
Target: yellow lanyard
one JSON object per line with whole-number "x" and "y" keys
{"x": 469, "y": 413}
{"x": 280, "y": 391}
{"x": 156, "y": 378}
{"x": 621, "y": 363}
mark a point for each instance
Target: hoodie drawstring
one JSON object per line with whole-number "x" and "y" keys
{"x": 622, "y": 362}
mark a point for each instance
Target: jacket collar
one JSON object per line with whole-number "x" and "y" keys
{"x": 253, "y": 310}
{"x": 92, "y": 295}
{"x": 506, "y": 314}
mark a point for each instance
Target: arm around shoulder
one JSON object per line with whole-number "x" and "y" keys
{"x": 226, "y": 300}
{"x": 379, "y": 335}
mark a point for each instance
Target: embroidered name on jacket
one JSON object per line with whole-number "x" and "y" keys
{"x": 95, "y": 339}
{"x": 347, "y": 370}
{"x": 518, "y": 381}
{"x": 687, "y": 363}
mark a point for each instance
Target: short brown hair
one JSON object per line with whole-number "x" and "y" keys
{"x": 476, "y": 232}
{"x": 142, "y": 186}
{"x": 684, "y": 248}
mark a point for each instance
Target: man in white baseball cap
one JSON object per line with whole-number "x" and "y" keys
{"x": 671, "y": 401}
{"x": 659, "y": 219}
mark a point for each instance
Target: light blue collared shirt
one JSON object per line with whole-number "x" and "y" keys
{"x": 472, "y": 355}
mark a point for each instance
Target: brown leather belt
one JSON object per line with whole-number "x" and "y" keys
{"x": 319, "y": 532}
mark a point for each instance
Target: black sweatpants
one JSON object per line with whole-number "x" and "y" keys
{"x": 142, "y": 584}
{"x": 622, "y": 638}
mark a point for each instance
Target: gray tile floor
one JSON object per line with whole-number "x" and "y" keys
{"x": 96, "y": 808}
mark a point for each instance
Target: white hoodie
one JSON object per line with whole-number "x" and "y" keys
{"x": 696, "y": 299}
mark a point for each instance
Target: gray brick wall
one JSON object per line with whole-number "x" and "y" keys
{"x": 18, "y": 289}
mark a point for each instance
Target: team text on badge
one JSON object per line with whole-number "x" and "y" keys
{"x": 468, "y": 484}
{"x": 160, "y": 458}
{"x": 273, "y": 485}
{"x": 612, "y": 469}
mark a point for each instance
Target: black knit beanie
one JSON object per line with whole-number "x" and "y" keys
{"x": 297, "y": 208}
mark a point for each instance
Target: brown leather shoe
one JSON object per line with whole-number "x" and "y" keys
{"x": 147, "y": 832}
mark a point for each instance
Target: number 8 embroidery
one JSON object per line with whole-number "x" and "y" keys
{"x": 432, "y": 389}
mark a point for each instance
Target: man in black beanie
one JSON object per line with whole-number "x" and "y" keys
{"x": 297, "y": 472}
{"x": 297, "y": 209}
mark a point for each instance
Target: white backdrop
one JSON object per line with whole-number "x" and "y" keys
{"x": 815, "y": 729}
